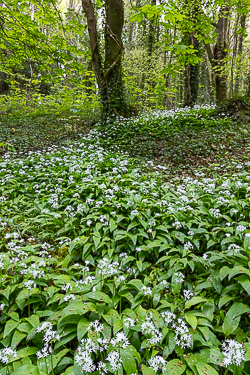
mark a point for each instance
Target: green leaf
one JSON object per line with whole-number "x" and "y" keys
{"x": 82, "y": 328}
{"x": 96, "y": 239}
{"x": 27, "y": 370}
{"x": 175, "y": 367}
{"x": 147, "y": 370}
{"x": 17, "y": 338}
{"x": 223, "y": 300}
{"x": 247, "y": 355}
{"x": 99, "y": 296}
{"x": 246, "y": 243}
{"x": 194, "y": 301}
{"x": 131, "y": 349}
{"x": 192, "y": 320}
{"x": 128, "y": 362}
{"x": 9, "y": 327}
{"x": 56, "y": 358}
{"x": 204, "y": 369}
{"x": 33, "y": 320}
{"x": 245, "y": 283}
{"x": 113, "y": 225}
{"x": 137, "y": 283}
{"x": 26, "y": 352}
{"x": 236, "y": 270}
{"x": 232, "y": 317}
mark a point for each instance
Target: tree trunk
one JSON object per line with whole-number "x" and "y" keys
{"x": 218, "y": 55}
{"x": 109, "y": 73}
{"x": 114, "y": 93}
{"x": 240, "y": 50}
{"x": 192, "y": 76}
{"x": 248, "y": 84}
{"x": 151, "y": 34}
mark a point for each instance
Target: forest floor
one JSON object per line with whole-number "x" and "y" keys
{"x": 125, "y": 249}
{"x": 184, "y": 145}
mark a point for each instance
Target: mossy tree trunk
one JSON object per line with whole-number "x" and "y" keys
{"x": 192, "y": 75}
{"x": 191, "y": 72}
{"x": 108, "y": 73}
{"x": 218, "y": 56}
{"x": 240, "y": 50}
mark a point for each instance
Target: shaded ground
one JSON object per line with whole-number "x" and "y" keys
{"x": 188, "y": 145}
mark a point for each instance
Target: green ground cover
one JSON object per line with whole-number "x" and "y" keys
{"x": 120, "y": 260}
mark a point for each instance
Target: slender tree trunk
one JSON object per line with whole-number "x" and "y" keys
{"x": 240, "y": 50}
{"x": 151, "y": 34}
{"x": 235, "y": 47}
{"x": 209, "y": 81}
{"x": 248, "y": 82}
{"x": 192, "y": 76}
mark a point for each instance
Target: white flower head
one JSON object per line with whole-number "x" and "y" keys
{"x": 233, "y": 353}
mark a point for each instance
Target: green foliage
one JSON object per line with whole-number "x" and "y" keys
{"x": 110, "y": 264}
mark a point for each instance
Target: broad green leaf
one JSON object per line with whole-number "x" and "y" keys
{"x": 192, "y": 320}
{"x": 78, "y": 308}
{"x": 238, "y": 270}
{"x": 17, "y": 338}
{"x": 33, "y": 320}
{"x": 247, "y": 355}
{"x": 82, "y": 328}
{"x": 223, "y": 300}
{"x": 9, "y": 327}
{"x": 194, "y": 301}
{"x": 174, "y": 367}
{"x": 56, "y": 358}
{"x": 137, "y": 283}
{"x": 246, "y": 243}
{"x": 27, "y": 370}
{"x": 216, "y": 357}
{"x": 128, "y": 362}
{"x": 245, "y": 283}
{"x": 99, "y": 296}
{"x": 204, "y": 369}
{"x": 117, "y": 326}
{"x": 147, "y": 370}
{"x": 232, "y": 317}
{"x": 26, "y": 352}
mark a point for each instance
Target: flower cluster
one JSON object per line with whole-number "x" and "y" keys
{"x": 233, "y": 353}
{"x": 49, "y": 338}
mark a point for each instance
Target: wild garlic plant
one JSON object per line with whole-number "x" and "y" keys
{"x": 108, "y": 269}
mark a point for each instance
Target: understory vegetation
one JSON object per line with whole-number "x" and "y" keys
{"x": 125, "y": 250}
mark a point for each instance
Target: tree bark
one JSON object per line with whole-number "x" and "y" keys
{"x": 93, "y": 38}
{"x": 240, "y": 50}
{"x": 113, "y": 93}
{"x": 192, "y": 76}
{"x": 108, "y": 73}
{"x": 151, "y": 35}
{"x": 218, "y": 55}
